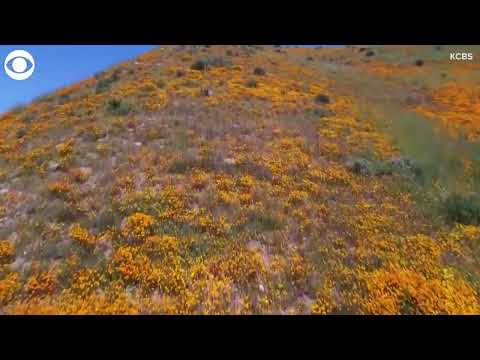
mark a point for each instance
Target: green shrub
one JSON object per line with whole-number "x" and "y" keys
{"x": 17, "y": 109}
{"x": 183, "y": 165}
{"x": 60, "y": 211}
{"x": 259, "y": 71}
{"x": 260, "y": 222}
{"x": 200, "y": 65}
{"x": 219, "y": 62}
{"x": 28, "y": 118}
{"x": 63, "y": 99}
{"x": 190, "y": 83}
{"x": 419, "y": 62}
{"x": 266, "y": 223}
{"x": 105, "y": 220}
{"x": 21, "y": 133}
{"x": 322, "y": 99}
{"x": 462, "y": 209}
{"x": 53, "y": 250}
{"x": 204, "y": 64}
{"x": 118, "y": 107}
{"x": 251, "y": 83}
{"x": 148, "y": 88}
{"x": 160, "y": 83}
{"x": 321, "y": 112}
{"x": 104, "y": 84}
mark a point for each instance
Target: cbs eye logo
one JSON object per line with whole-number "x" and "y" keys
{"x": 16, "y": 65}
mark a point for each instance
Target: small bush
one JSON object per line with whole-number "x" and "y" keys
{"x": 148, "y": 87}
{"x": 259, "y": 71}
{"x": 181, "y": 166}
{"x": 17, "y": 109}
{"x": 28, "y": 118}
{"x": 261, "y": 222}
{"x": 321, "y": 113}
{"x": 53, "y": 250}
{"x": 190, "y": 83}
{"x": 404, "y": 165}
{"x": 21, "y": 133}
{"x": 361, "y": 166}
{"x": 251, "y": 83}
{"x": 104, "y": 84}
{"x": 219, "y": 62}
{"x": 204, "y": 64}
{"x": 322, "y": 99}
{"x": 118, "y": 107}
{"x": 105, "y": 220}
{"x": 462, "y": 209}
{"x": 200, "y": 65}
{"x": 374, "y": 167}
{"x": 419, "y": 63}
{"x": 58, "y": 210}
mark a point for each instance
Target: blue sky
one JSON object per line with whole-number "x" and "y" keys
{"x": 59, "y": 65}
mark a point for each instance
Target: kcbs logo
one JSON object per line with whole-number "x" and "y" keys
{"x": 19, "y": 65}
{"x": 459, "y": 56}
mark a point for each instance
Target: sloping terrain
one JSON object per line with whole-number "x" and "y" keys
{"x": 247, "y": 180}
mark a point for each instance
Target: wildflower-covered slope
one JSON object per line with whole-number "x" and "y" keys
{"x": 246, "y": 180}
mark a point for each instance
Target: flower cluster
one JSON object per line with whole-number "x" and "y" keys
{"x": 60, "y": 188}
{"x": 65, "y": 149}
{"x": 9, "y": 286}
{"x": 82, "y": 236}
{"x": 43, "y": 283}
{"x": 138, "y": 226}
{"x": 7, "y": 252}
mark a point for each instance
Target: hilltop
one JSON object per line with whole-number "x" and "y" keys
{"x": 247, "y": 180}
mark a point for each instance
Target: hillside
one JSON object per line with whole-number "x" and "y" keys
{"x": 247, "y": 180}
